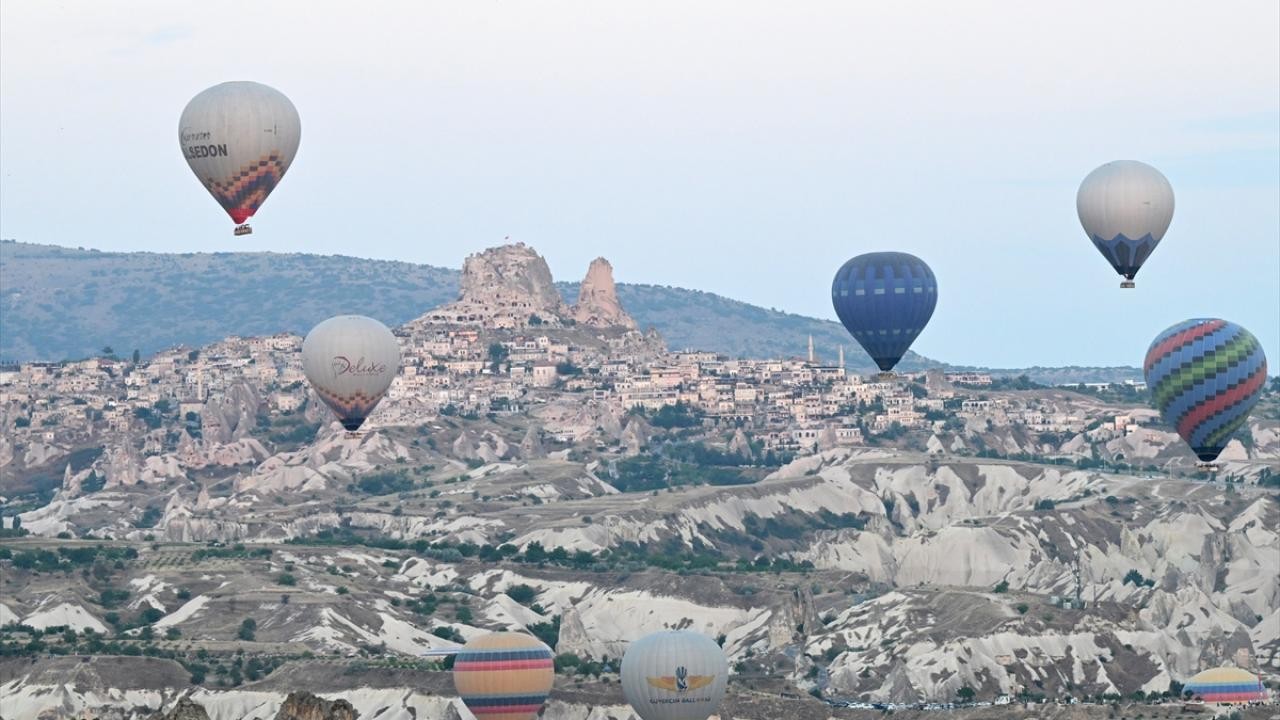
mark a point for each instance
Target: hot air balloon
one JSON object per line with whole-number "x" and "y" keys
{"x": 1125, "y": 207}
{"x": 884, "y": 300}
{"x": 1205, "y": 375}
{"x": 239, "y": 139}
{"x": 504, "y": 676}
{"x": 674, "y": 675}
{"x": 1227, "y": 685}
{"x": 350, "y": 361}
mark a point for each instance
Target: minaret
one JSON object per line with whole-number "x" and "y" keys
{"x": 810, "y": 349}
{"x": 840, "y": 364}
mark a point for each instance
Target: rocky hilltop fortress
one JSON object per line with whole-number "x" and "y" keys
{"x": 510, "y": 287}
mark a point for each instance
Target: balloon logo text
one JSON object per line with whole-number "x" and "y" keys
{"x": 681, "y": 683}
{"x": 200, "y": 151}
{"x": 344, "y": 366}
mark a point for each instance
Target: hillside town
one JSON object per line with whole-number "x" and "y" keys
{"x": 510, "y": 345}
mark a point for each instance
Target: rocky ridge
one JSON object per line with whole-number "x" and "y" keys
{"x": 510, "y": 287}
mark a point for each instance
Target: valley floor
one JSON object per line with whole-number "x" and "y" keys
{"x": 134, "y": 688}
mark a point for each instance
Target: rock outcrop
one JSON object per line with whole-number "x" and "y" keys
{"x": 184, "y": 709}
{"x": 232, "y": 416}
{"x": 504, "y": 287}
{"x": 305, "y": 706}
{"x": 740, "y": 444}
{"x": 531, "y": 447}
{"x": 597, "y": 303}
{"x": 510, "y": 287}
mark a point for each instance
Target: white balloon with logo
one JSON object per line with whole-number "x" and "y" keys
{"x": 239, "y": 138}
{"x": 350, "y": 361}
{"x": 674, "y": 675}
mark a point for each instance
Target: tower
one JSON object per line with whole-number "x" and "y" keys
{"x": 810, "y": 349}
{"x": 840, "y": 364}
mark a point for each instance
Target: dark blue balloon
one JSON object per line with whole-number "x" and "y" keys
{"x": 884, "y": 300}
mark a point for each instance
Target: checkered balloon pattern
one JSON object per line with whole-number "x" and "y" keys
{"x": 1205, "y": 376}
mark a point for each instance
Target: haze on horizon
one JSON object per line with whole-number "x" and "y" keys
{"x": 746, "y": 149}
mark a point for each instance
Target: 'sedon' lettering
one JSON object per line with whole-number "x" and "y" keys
{"x": 344, "y": 366}
{"x": 199, "y": 151}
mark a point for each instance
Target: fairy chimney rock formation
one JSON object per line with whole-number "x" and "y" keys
{"x": 598, "y": 304}
{"x": 510, "y": 287}
{"x": 504, "y": 287}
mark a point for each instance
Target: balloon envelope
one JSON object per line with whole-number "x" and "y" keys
{"x": 239, "y": 138}
{"x": 1204, "y": 376}
{"x": 1226, "y": 685}
{"x": 677, "y": 675}
{"x": 1125, "y": 207}
{"x": 884, "y": 300}
{"x": 504, "y": 676}
{"x": 350, "y": 361}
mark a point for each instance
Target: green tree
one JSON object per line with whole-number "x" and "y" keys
{"x": 149, "y": 518}
{"x": 676, "y": 416}
{"x": 567, "y": 661}
{"x": 1135, "y": 577}
{"x": 523, "y": 594}
{"x": 534, "y": 553}
{"x": 248, "y": 629}
{"x": 498, "y": 354}
{"x": 547, "y": 632}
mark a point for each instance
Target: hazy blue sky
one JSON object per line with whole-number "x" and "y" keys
{"x": 737, "y": 147}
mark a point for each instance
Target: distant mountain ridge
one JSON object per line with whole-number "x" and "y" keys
{"x": 58, "y": 303}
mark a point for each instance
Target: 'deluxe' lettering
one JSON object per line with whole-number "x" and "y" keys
{"x": 343, "y": 366}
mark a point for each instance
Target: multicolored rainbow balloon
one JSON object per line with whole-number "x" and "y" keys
{"x": 504, "y": 676}
{"x": 1205, "y": 375}
{"x": 1226, "y": 685}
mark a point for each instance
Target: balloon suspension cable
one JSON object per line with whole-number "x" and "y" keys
{"x": 1127, "y": 284}
{"x": 243, "y": 229}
